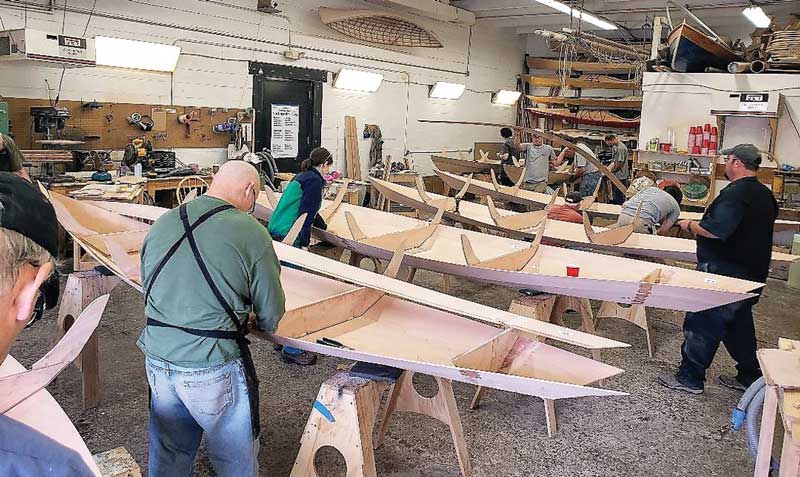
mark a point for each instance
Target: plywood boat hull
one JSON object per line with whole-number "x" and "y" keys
{"x": 463, "y": 166}
{"x": 514, "y": 173}
{"x": 369, "y": 320}
{"x": 602, "y": 277}
{"x": 556, "y": 232}
{"x": 692, "y": 52}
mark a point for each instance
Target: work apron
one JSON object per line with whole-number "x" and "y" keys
{"x": 239, "y": 336}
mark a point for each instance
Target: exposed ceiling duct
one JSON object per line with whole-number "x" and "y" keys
{"x": 435, "y": 9}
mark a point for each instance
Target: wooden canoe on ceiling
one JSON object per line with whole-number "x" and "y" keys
{"x": 586, "y": 116}
{"x": 514, "y": 263}
{"x": 539, "y": 200}
{"x": 629, "y": 102}
{"x": 584, "y": 82}
{"x": 523, "y": 226}
{"x": 379, "y": 326}
{"x": 463, "y": 166}
{"x": 379, "y": 27}
{"x": 583, "y": 66}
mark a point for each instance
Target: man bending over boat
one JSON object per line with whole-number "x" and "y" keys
{"x": 660, "y": 210}
{"x": 206, "y": 266}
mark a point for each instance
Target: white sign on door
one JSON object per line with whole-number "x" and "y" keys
{"x": 285, "y": 130}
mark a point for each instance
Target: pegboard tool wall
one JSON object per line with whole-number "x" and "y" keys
{"x": 109, "y": 121}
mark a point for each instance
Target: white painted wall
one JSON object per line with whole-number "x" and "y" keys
{"x": 218, "y": 38}
{"x": 680, "y": 100}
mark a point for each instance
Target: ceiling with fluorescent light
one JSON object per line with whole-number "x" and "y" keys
{"x": 524, "y": 16}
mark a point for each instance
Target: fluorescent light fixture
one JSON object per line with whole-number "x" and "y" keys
{"x": 139, "y": 55}
{"x": 579, "y": 14}
{"x": 757, "y": 16}
{"x": 505, "y": 97}
{"x": 442, "y": 90}
{"x": 354, "y": 80}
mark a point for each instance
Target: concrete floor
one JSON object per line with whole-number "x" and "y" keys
{"x": 653, "y": 431}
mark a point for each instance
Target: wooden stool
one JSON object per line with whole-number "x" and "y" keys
{"x": 81, "y": 289}
{"x": 403, "y": 397}
{"x": 343, "y": 417}
{"x": 635, "y": 314}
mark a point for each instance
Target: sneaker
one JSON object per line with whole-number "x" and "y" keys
{"x": 670, "y": 381}
{"x": 732, "y": 382}
{"x": 303, "y": 359}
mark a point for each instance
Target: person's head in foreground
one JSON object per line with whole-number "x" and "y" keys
{"x": 573, "y": 200}
{"x": 237, "y": 183}
{"x": 319, "y": 159}
{"x": 28, "y": 243}
{"x": 741, "y": 161}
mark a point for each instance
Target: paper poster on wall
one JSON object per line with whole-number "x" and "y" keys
{"x": 285, "y": 130}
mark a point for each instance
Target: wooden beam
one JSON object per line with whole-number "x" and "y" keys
{"x": 604, "y": 103}
{"x": 601, "y": 82}
{"x": 584, "y": 66}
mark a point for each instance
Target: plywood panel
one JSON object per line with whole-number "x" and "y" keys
{"x": 117, "y": 133}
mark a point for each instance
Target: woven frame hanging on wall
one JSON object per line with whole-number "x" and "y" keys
{"x": 379, "y": 27}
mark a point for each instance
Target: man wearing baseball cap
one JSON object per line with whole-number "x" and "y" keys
{"x": 28, "y": 244}
{"x": 734, "y": 238}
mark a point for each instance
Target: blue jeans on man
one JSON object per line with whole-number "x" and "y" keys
{"x": 186, "y": 403}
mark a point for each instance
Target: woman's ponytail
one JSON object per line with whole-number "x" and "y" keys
{"x": 318, "y": 157}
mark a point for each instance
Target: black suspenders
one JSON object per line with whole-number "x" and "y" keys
{"x": 241, "y": 328}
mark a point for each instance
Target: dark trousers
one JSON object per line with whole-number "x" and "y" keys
{"x": 703, "y": 331}
{"x": 619, "y": 196}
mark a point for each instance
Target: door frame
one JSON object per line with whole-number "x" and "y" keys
{"x": 267, "y": 71}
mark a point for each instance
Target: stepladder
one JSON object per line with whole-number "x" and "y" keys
{"x": 81, "y": 289}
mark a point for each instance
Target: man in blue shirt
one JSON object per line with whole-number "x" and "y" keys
{"x": 734, "y": 238}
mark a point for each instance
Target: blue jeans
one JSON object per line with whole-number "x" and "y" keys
{"x": 589, "y": 183}
{"x": 187, "y": 402}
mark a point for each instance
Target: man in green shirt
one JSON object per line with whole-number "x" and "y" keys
{"x": 10, "y": 157}
{"x": 205, "y": 267}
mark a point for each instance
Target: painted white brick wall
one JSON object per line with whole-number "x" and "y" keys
{"x": 212, "y": 70}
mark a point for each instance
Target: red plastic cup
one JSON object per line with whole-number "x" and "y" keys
{"x": 573, "y": 270}
{"x": 667, "y": 147}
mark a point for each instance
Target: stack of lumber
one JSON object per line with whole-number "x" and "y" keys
{"x": 39, "y": 156}
{"x": 583, "y": 82}
{"x": 352, "y": 159}
{"x": 784, "y": 48}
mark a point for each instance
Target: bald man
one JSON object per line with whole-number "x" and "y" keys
{"x": 205, "y": 267}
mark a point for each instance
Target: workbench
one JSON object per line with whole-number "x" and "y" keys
{"x": 781, "y": 368}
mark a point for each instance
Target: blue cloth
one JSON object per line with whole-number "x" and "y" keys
{"x": 25, "y": 452}
{"x": 703, "y": 331}
{"x": 185, "y": 403}
{"x": 311, "y": 182}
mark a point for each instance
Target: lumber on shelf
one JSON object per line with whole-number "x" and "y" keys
{"x": 601, "y": 82}
{"x": 605, "y": 103}
{"x": 585, "y": 66}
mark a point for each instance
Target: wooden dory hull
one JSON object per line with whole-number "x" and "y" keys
{"x": 376, "y": 326}
{"x": 604, "y": 277}
{"x": 692, "y": 52}
{"x": 461, "y": 166}
{"x": 657, "y": 296}
{"x": 514, "y": 173}
{"x": 535, "y": 199}
{"x": 597, "y": 103}
{"x": 609, "y": 120}
{"x": 477, "y": 215}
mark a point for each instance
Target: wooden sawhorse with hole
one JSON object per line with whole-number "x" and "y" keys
{"x": 344, "y": 415}
{"x": 81, "y": 289}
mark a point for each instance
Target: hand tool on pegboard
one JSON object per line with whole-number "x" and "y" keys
{"x": 187, "y": 118}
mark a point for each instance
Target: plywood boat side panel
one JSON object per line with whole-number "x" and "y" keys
{"x": 463, "y": 166}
